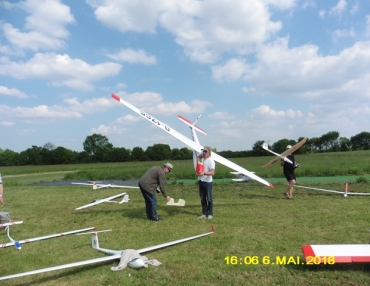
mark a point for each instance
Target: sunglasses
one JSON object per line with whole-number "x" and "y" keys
{"x": 205, "y": 151}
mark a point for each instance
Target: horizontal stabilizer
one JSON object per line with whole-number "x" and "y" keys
{"x": 188, "y": 122}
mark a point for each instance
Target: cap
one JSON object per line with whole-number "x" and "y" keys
{"x": 169, "y": 166}
{"x": 288, "y": 147}
{"x": 207, "y": 148}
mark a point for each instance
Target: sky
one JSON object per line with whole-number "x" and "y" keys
{"x": 254, "y": 70}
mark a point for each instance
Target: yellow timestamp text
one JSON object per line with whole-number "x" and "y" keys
{"x": 278, "y": 260}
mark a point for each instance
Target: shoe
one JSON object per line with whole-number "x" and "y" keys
{"x": 203, "y": 216}
{"x": 210, "y": 217}
{"x": 286, "y": 195}
{"x": 157, "y": 219}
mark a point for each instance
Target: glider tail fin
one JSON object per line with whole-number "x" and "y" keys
{"x": 94, "y": 186}
{"x": 125, "y": 199}
{"x": 192, "y": 124}
{"x": 95, "y": 240}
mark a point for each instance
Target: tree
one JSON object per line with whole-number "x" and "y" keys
{"x": 280, "y": 146}
{"x": 98, "y": 147}
{"x": 329, "y": 141}
{"x": 158, "y": 152}
{"x": 344, "y": 144}
{"x": 9, "y": 158}
{"x": 361, "y": 141}
{"x": 258, "y": 150}
{"x": 138, "y": 154}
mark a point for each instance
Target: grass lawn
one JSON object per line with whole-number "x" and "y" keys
{"x": 252, "y": 223}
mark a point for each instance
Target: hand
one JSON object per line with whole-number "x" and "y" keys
{"x": 168, "y": 198}
{"x": 2, "y": 200}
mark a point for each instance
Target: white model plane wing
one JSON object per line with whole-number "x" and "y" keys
{"x": 342, "y": 253}
{"x": 109, "y": 199}
{"x": 192, "y": 144}
{"x": 344, "y": 193}
{"x": 114, "y": 254}
{"x": 284, "y": 154}
{"x": 20, "y": 242}
{"x": 101, "y": 186}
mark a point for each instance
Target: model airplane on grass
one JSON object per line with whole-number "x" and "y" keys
{"x": 180, "y": 203}
{"x": 191, "y": 143}
{"x": 284, "y": 154}
{"x": 114, "y": 254}
{"x": 336, "y": 253}
{"x": 98, "y": 185}
{"x": 125, "y": 199}
{"x": 344, "y": 193}
{"x": 241, "y": 177}
{"x": 18, "y": 243}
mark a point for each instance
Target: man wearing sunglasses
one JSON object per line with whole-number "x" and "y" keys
{"x": 148, "y": 184}
{"x": 205, "y": 180}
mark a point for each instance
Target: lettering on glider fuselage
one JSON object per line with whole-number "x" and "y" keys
{"x": 154, "y": 120}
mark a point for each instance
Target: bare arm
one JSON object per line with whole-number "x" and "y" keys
{"x": 1, "y": 194}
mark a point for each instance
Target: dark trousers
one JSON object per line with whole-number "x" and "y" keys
{"x": 205, "y": 194}
{"x": 150, "y": 204}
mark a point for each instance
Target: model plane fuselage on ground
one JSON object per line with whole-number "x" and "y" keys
{"x": 191, "y": 143}
{"x": 18, "y": 243}
{"x": 113, "y": 255}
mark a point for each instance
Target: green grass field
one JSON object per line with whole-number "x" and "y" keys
{"x": 252, "y": 223}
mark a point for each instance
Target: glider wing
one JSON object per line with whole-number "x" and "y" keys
{"x": 192, "y": 144}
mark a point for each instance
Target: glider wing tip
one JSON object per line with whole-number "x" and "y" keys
{"x": 116, "y": 97}
{"x": 213, "y": 228}
{"x": 271, "y": 185}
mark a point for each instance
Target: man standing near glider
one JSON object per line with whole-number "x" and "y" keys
{"x": 205, "y": 180}
{"x": 148, "y": 185}
{"x": 289, "y": 174}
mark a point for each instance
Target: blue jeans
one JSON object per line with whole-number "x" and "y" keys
{"x": 205, "y": 194}
{"x": 150, "y": 204}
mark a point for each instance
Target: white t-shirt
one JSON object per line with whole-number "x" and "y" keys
{"x": 209, "y": 165}
{"x": 0, "y": 179}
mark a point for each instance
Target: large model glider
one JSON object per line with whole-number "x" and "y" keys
{"x": 344, "y": 193}
{"x": 97, "y": 185}
{"x": 240, "y": 177}
{"x": 192, "y": 144}
{"x": 336, "y": 253}
{"x": 114, "y": 254}
{"x": 125, "y": 199}
{"x": 18, "y": 243}
{"x": 284, "y": 154}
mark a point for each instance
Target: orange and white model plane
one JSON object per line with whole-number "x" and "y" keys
{"x": 336, "y": 253}
{"x": 282, "y": 155}
{"x": 195, "y": 146}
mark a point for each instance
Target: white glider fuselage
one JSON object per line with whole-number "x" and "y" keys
{"x": 191, "y": 143}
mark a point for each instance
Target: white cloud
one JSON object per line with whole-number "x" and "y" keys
{"x": 231, "y": 71}
{"x": 203, "y": 28}
{"x": 44, "y": 28}
{"x": 132, "y": 56}
{"x": 60, "y": 70}
{"x": 221, "y": 115}
{"x": 12, "y": 92}
{"x": 7, "y": 123}
{"x": 103, "y": 129}
{"x": 339, "y": 8}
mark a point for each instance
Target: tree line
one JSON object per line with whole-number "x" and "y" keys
{"x": 97, "y": 148}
